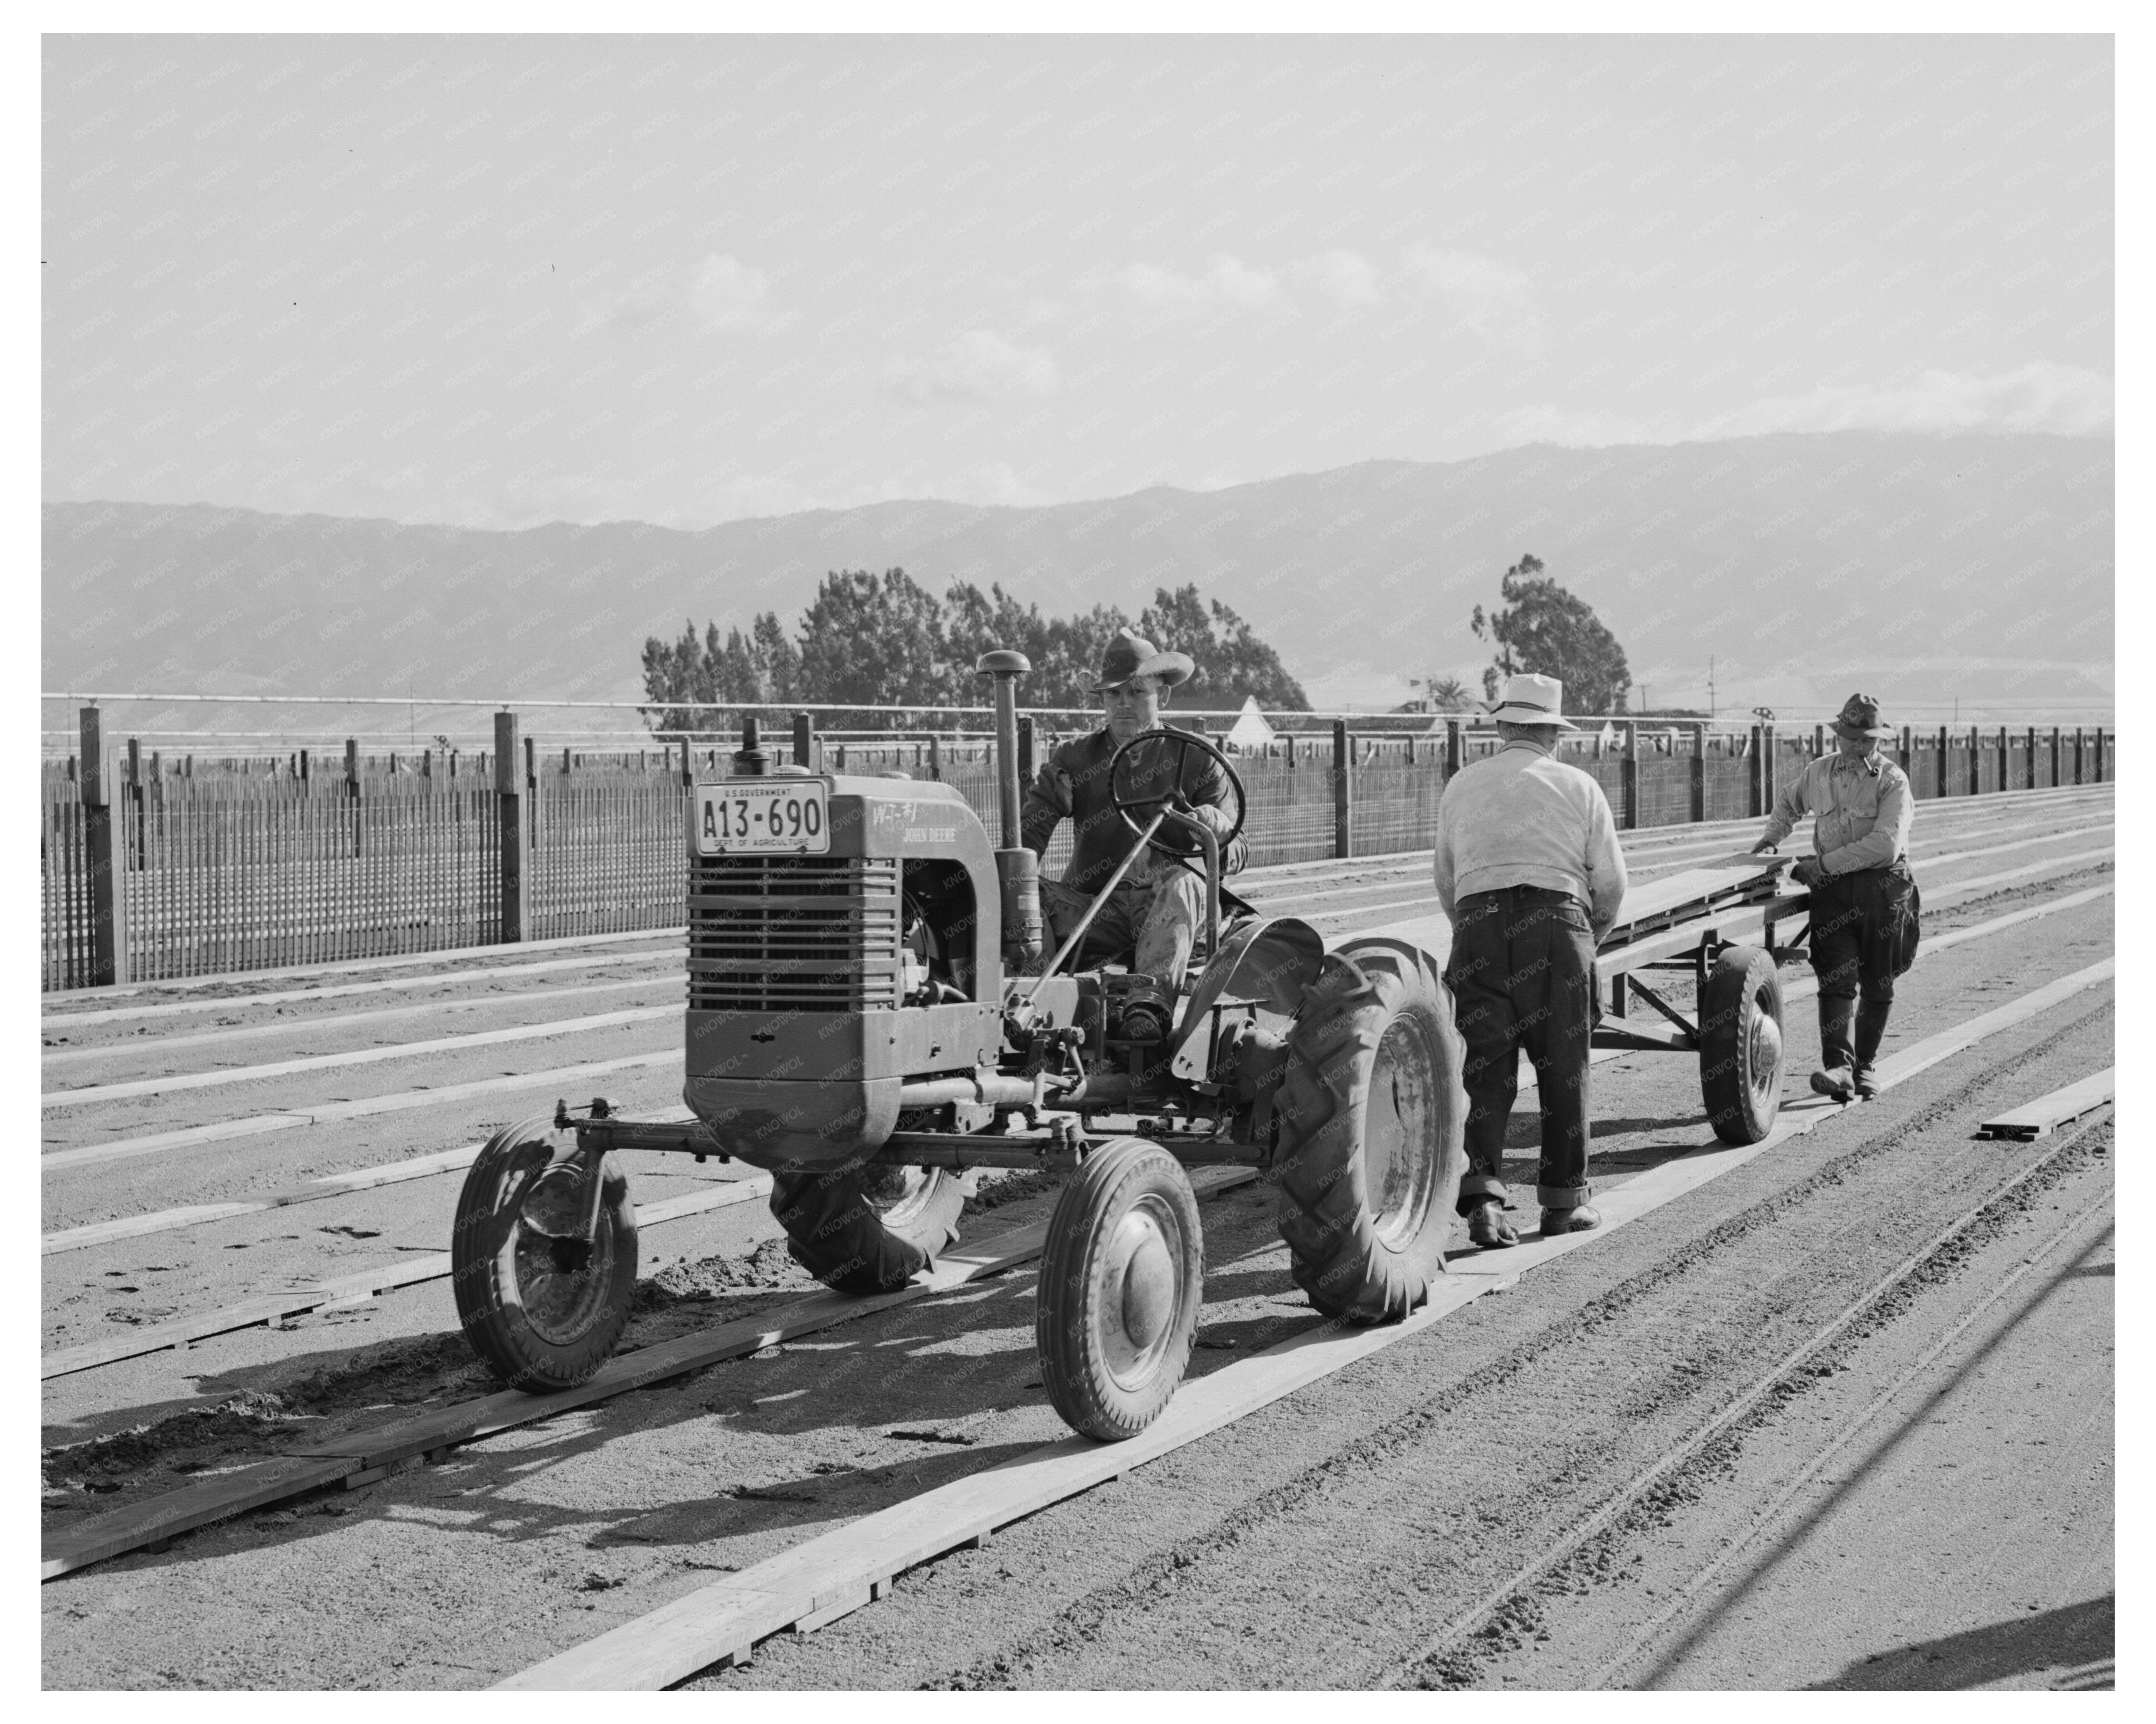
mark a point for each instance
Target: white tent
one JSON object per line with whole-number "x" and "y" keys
{"x": 1251, "y": 729}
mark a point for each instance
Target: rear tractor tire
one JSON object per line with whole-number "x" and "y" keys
{"x": 542, "y": 1308}
{"x": 1740, "y": 1044}
{"x": 1121, "y": 1281}
{"x": 1372, "y": 1123}
{"x": 867, "y": 1229}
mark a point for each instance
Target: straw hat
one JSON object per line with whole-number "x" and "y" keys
{"x": 1529, "y": 699}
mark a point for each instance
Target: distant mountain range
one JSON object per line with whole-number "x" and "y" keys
{"x": 1919, "y": 567}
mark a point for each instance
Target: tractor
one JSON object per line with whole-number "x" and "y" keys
{"x": 872, "y": 1015}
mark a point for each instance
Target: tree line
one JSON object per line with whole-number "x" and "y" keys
{"x": 870, "y": 640}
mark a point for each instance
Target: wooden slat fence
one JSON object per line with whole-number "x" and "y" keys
{"x": 239, "y": 870}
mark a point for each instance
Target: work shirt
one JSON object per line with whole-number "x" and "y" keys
{"x": 1523, "y": 817}
{"x": 1073, "y": 784}
{"x": 1864, "y": 809}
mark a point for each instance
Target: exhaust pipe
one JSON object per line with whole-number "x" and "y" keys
{"x": 1017, "y": 869}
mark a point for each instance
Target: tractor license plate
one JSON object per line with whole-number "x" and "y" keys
{"x": 781, "y": 816}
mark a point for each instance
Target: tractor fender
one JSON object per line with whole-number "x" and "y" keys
{"x": 1270, "y": 960}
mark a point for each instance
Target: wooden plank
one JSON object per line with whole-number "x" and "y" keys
{"x": 561, "y": 1077}
{"x": 347, "y": 1290}
{"x": 2044, "y": 1115}
{"x": 356, "y": 1056}
{"x": 698, "y": 1629}
{"x": 272, "y": 1481}
{"x": 176, "y": 1511}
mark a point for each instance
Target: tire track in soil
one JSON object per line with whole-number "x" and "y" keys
{"x": 1155, "y": 1583}
{"x": 1471, "y": 1659}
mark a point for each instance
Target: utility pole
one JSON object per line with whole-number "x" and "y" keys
{"x": 1710, "y": 685}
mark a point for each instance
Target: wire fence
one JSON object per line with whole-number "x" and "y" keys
{"x": 228, "y": 866}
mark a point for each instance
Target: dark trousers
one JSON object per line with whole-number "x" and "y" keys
{"x": 1864, "y": 935}
{"x": 1523, "y": 978}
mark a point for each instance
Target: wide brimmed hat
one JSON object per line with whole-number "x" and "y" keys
{"x": 1529, "y": 699}
{"x": 1130, "y": 655}
{"x": 1860, "y": 717}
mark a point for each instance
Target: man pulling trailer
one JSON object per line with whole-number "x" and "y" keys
{"x": 1864, "y": 899}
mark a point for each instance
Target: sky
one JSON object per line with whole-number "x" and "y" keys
{"x": 497, "y": 281}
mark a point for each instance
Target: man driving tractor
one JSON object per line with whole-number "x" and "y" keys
{"x": 1156, "y": 906}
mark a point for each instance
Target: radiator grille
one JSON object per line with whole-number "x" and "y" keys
{"x": 793, "y": 933}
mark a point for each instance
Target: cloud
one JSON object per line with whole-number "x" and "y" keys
{"x": 2037, "y": 396}
{"x": 979, "y": 366}
{"x": 1489, "y": 299}
{"x": 1572, "y": 428}
{"x": 1347, "y": 277}
{"x": 1228, "y": 284}
{"x": 720, "y": 295}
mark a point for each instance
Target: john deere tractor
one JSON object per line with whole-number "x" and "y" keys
{"x": 871, "y": 1019}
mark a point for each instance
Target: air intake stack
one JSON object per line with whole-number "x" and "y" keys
{"x": 1017, "y": 869}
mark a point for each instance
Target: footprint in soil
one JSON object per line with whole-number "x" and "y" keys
{"x": 354, "y": 1233}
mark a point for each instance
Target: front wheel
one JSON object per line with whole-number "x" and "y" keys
{"x": 1120, "y": 1282}
{"x": 1373, "y": 1119}
{"x": 1740, "y": 1044}
{"x": 542, "y": 1307}
{"x": 866, "y": 1229}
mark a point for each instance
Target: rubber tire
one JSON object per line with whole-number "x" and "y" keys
{"x": 483, "y": 1275}
{"x": 1744, "y": 981}
{"x": 1350, "y": 1270}
{"x": 1073, "y": 1369}
{"x": 835, "y": 1231}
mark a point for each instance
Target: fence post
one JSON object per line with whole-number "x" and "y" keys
{"x": 1698, "y": 774}
{"x": 1024, "y": 750}
{"x": 102, "y": 829}
{"x": 1452, "y": 746}
{"x": 1819, "y": 740}
{"x": 1757, "y": 775}
{"x": 2055, "y": 756}
{"x": 2078, "y": 753}
{"x": 514, "y": 808}
{"x": 935, "y": 758}
{"x": 1975, "y": 761}
{"x": 1945, "y": 788}
{"x": 141, "y": 860}
{"x": 1908, "y": 753}
{"x": 2098, "y": 778}
{"x": 806, "y": 753}
{"x": 2029, "y": 765}
{"x": 1628, "y": 775}
{"x": 1343, "y": 796}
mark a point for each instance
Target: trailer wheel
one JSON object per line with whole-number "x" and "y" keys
{"x": 1121, "y": 1283}
{"x": 1372, "y": 1123}
{"x": 542, "y": 1310}
{"x": 866, "y": 1229}
{"x": 1740, "y": 1044}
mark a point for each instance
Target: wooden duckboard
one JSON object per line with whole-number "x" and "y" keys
{"x": 2044, "y": 1115}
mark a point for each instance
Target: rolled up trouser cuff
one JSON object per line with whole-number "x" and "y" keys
{"x": 1563, "y": 1197}
{"x": 1480, "y": 1189}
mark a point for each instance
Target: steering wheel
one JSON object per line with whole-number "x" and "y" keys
{"x": 1136, "y": 809}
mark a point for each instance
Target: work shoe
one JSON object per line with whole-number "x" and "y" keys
{"x": 1487, "y": 1228}
{"x": 1584, "y": 1218}
{"x": 1865, "y": 1082}
{"x": 1834, "y": 1084}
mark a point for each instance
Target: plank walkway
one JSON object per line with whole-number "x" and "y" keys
{"x": 371, "y": 1452}
{"x": 150, "y": 1522}
{"x": 829, "y": 1576}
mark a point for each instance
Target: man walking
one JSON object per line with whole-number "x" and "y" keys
{"x": 1529, "y": 874}
{"x": 1865, "y": 905}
